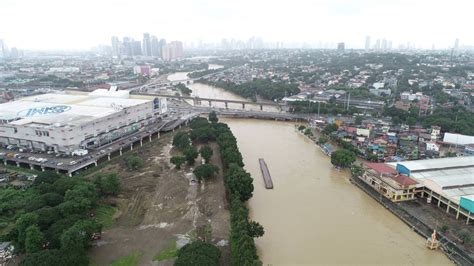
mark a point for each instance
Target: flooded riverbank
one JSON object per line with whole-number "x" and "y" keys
{"x": 314, "y": 215}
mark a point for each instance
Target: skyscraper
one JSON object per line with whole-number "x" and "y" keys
{"x": 367, "y": 43}
{"x": 172, "y": 51}
{"x": 115, "y": 46}
{"x": 146, "y": 44}
{"x": 155, "y": 47}
{"x": 340, "y": 47}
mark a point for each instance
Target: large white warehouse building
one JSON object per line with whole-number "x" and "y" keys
{"x": 64, "y": 122}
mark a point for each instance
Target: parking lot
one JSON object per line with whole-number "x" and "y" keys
{"x": 69, "y": 164}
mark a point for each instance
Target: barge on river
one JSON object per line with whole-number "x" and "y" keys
{"x": 266, "y": 174}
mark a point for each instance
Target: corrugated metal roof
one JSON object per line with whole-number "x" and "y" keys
{"x": 422, "y": 165}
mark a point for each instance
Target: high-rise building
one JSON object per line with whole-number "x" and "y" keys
{"x": 136, "y": 48}
{"x": 172, "y": 51}
{"x": 146, "y": 44}
{"x": 115, "y": 46}
{"x": 456, "y": 44}
{"x": 126, "y": 48}
{"x": 384, "y": 44}
{"x": 340, "y": 47}
{"x": 367, "y": 43}
{"x": 155, "y": 47}
{"x": 377, "y": 44}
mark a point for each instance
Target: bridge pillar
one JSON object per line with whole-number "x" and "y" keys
{"x": 108, "y": 157}
{"x": 32, "y": 167}
{"x": 195, "y": 101}
{"x": 42, "y": 169}
{"x": 210, "y": 103}
{"x": 243, "y": 105}
{"x": 5, "y": 162}
{"x": 158, "y": 134}
{"x": 95, "y": 163}
{"x": 131, "y": 147}
{"x": 261, "y": 107}
{"x": 141, "y": 142}
{"x": 120, "y": 150}
{"x": 226, "y": 105}
{"x": 17, "y": 164}
{"x": 149, "y": 137}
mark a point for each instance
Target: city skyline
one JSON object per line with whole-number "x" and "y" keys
{"x": 92, "y": 23}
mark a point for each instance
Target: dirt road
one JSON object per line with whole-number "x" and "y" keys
{"x": 160, "y": 206}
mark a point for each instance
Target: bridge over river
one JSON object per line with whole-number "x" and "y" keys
{"x": 198, "y": 100}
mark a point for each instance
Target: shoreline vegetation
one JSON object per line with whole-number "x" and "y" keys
{"x": 264, "y": 88}
{"x": 238, "y": 182}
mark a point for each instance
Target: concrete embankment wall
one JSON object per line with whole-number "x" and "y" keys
{"x": 450, "y": 248}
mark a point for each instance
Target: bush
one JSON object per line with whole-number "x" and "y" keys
{"x": 205, "y": 171}
{"x": 177, "y": 161}
{"x": 198, "y": 253}
{"x": 342, "y": 158}
{"x": 190, "y": 154}
{"x": 181, "y": 140}
{"x": 134, "y": 162}
{"x": 206, "y": 153}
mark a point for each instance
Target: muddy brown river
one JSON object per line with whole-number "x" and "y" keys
{"x": 314, "y": 215}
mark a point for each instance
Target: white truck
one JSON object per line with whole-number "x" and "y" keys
{"x": 79, "y": 152}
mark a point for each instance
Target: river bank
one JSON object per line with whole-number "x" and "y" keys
{"x": 314, "y": 204}
{"x": 458, "y": 255}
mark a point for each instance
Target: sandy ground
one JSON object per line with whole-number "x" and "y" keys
{"x": 159, "y": 205}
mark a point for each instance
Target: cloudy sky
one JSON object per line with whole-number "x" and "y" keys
{"x": 81, "y": 24}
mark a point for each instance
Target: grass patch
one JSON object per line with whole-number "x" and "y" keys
{"x": 130, "y": 260}
{"x": 169, "y": 252}
{"x": 105, "y": 215}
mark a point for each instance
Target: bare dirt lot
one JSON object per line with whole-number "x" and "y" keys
{"x": 159, "y": 206}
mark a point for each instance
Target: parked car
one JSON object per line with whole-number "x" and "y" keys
{"x": 72, "y": 162}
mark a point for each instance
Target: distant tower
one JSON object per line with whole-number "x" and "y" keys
{"x": 340, "y": 47}
{"x": 146, "y": 51}
{"x": 456, "y": 47}
{"x": 115, "y": 46}
{"x": 367, "y": 43}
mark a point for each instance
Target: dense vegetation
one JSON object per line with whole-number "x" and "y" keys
{"x": 324, "y": 108}
{"x": 183, "y": 88}
{"x": 198, "y": 253}
{"x": 240, "y": 188}
{"x": 264, "y": 88}
{"x": 54, "y": 219}
{"x": 456, "y": 119}
{"x": 343, "y": 158}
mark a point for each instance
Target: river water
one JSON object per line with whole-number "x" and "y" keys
{"x": 314, "y": 215}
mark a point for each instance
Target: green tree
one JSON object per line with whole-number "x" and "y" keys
{"x": 134, "y": 162}
{"x": 301, "y": 127}
{"x": 205, "y": 171}
{"x": 190, "y": 154}
{"x": 48, "y": 257}
{"x": 108, "y": 184}
{"x": 198, "y": 253}
{"x": 181, "y": 140}
{"x": 24, "y": 221}
{"x": 358, "y": 120}
{"x": 178, "y": 161}
{"x": 328, "y": 129}
{"x": 34, "y": 239}
{"x": 48, "y": 177}
{"x": 357, "y": 170}
{"x": 342, "y": 158}
{"x": 213, "y": 117}
{"x": 322, "y": 139}
{"x": 255, "y": 229}
{"x": 239, "y": 182}
{"x": 206, "y": 153}
{"x": 308, "y": 132}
